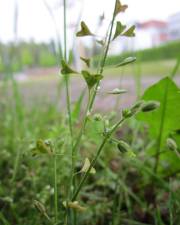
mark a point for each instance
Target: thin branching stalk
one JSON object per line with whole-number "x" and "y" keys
{"x": 74, "y": 149}
{"x": 92, "y": 97}
{"x": 102, "y": 64}
{"x": 59, "y": 47}
{"x": 18, "y": 109}
{"x": 106, "y": 138}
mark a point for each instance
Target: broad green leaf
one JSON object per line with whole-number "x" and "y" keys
{"x": 130, "y": 32}
{"x": 66, "y": 69}
{"x": 117, "y": 91}
{"x": 86, "y": 61}
{"x": 86, "y": 167}
{"x": 120, "y": 8}
{"x": 119, "y": 29}
{"x": 84, "y": 31}
{"x": 127, "y": 61}
{"x": 166, "y": 118}
{"x": 166, "y": 93}
{"x": 91, "y": 79}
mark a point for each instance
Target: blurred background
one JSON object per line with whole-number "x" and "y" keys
{"x": 32, "y": 40}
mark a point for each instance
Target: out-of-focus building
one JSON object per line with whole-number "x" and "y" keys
{"x": 149, "y": 34}
{"x": 174, "y": 26}
{"x": 156, "y": 30}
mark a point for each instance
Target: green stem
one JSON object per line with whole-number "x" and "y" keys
{"x": 16, "y": 165}
{"x": 74, "y": 149}
{"x": 83, "y": 125}
{"x": 159, "y": 141}
{"x": 67, "y": 76}
{"x": 105, "y": 55}
{"x": 95, "y": 158}
{"x": 68, "y": 101}
{"x": 55, "y": 189}
{"x": 92, "y": 98}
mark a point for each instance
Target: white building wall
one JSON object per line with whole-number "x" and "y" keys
{"x": 145, "y": 38}
{"x": 174, "y": 27}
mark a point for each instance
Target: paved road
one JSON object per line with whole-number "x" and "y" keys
{"x": 47, "y": 90}
{"x": 106, "y": 101}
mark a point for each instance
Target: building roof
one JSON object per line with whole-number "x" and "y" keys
{"x": 153, "y": 24}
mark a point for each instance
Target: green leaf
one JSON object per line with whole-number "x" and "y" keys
{"x": 117, "y": 91}
{"x": 119, "y": 29}
{"x": 91, "y": 79}
{"x": 84, "y": 31}
{"x": 86, "y": 61}
{"x": 166, "y": 118}
{"x": 130, "y": 32}
{"x": 120, "y": 8}
{"x": 66, "y": 69}
{"x": 127, "y": 61}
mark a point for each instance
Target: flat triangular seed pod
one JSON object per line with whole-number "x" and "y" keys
{"x": 85, "y": 31}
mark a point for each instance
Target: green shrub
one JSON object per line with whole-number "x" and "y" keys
{"x": 170, "y": 50}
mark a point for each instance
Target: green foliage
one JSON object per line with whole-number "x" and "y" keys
{"x": 47, "y": 59}
{"x": 166, "y": 119}
{"x": 28, "y": 55}
{"x": 116, "y": 187}
{"x": 166, "y": 51}
{"x": 167, "y": 94}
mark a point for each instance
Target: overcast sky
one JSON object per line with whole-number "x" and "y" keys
{"x": 35, "y": 22}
